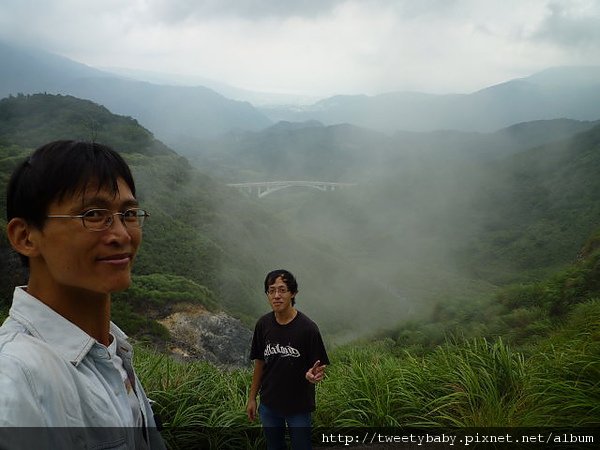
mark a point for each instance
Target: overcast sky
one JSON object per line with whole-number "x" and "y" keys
{"x": 317, "y": 47}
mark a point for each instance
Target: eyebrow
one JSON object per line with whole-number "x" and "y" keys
{"x": 104, "y": 203}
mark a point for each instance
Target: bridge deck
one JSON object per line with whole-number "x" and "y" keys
{"x": 264, "y": 188}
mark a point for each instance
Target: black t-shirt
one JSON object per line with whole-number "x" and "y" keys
{"x": 288, "y": 352}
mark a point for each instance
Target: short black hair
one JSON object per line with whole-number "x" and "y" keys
{"x": 286, "y": 277}
{"x": 59, "y": 169}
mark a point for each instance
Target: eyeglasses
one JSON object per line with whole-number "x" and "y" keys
{"x": 102, "y": 219}
{"x": 281, "y": 290}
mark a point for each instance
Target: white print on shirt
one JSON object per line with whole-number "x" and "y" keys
{"x": 281, "y": 350}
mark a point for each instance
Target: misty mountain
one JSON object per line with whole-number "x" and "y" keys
{"x": 28, "y": 70}
{"x": 171, "y": 112}
{"x": 347, "y": 153}
{"x": 292, "y": 151}
{"x": 450, "y": 205}
{"x": 256, "y": 98}
{"x": 452, "y": 144}
{"x": 208, "y": 240}
{"x": 564, "y": 92}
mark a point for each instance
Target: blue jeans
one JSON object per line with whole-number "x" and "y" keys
{"x": 274, "y": 425}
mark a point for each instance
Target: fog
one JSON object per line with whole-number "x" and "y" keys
{"x": 413, "y": 230}
{"x": 369, "y": 256}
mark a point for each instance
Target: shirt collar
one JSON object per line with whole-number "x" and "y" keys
{"x": 47, "y": 325}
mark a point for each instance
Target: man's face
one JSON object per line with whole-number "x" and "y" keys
{"x": 279, "y": 296}
{"x": 71, "y": 256}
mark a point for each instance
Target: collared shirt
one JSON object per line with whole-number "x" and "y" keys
{"x": 53, "y": 374}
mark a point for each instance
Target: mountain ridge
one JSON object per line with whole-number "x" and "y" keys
{"x": 197, "y": 111}
{"x": 561, "y": 92}
{"x": 183, "y": 114}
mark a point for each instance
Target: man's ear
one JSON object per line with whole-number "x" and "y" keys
{"x": 22, "y": 237}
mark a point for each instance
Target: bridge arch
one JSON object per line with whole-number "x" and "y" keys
{"x": 264, "y": 188}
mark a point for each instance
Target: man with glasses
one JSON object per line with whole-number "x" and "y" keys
{"x": 73, "y": 217}
{"x": 289, "y": 359}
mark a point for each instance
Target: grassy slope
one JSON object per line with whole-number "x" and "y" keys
{"x": 465, "y": 383}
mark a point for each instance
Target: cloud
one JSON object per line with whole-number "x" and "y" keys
{"x": 316, "y": 47}
{"x": 175, "y": 11}
{"x": 571, "y": 24}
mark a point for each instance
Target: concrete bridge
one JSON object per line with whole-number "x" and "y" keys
{"x": 263, "y": 188}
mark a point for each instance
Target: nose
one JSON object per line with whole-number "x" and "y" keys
{"x": 118, "y": 231}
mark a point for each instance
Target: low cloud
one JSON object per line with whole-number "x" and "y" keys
{"x": 571, "y": 24}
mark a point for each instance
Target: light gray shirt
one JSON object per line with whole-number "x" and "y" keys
{"x": 53, "y": 374}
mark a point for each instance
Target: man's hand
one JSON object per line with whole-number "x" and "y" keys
{"x": 316, "y": 372}
{"x": 251, "y": 409}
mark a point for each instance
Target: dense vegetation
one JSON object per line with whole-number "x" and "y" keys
{"x": 187, "y": 263}
{"x": 31, "y": 120}
{"x": 520, "y": 313}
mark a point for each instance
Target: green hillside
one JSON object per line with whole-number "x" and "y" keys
{"x": 28, "y": 120}
{"x": 520, "y": 313}
{"x": 205, "y": 242}
{"x": 538, "y": 209}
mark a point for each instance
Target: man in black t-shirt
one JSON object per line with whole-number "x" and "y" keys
{"x": 289, "y": 359}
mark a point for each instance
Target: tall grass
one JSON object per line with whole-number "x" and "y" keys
{"x": 200, "y": 405}
{"x": 463, "y": 383}
{"x": 370, "y": 387}
{"x": 485, "y": 384}
{"x": 567, "y": 369}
